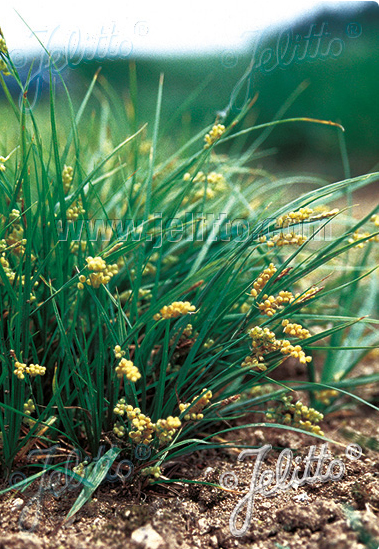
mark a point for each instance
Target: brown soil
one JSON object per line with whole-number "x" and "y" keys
{"x": 190, "y": 516}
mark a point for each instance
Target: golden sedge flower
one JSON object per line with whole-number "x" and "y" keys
{"x": 80, "y": 469}
{"x": 196, "y": 409}
{"x": 253, "y": 362}
{"x": 295, "y": 330}
{"x": 15, "y": 241}
{"x": 294, "y": 217}
{"x": 303, "y": 214}
{"x": 118, "y": 352}
{"x": 259, "y": 390}
{"x": 366, "y": 235}
{"x": 208, "y": 193}
{"x": 3, "y": 45}
{"x": 19, "y": 370}
{"x": 264, "y": 341}
{"x": 326, "y": 395}
{"x": 75, "y": 211}
{"x": 2, "y": 163}
{"x": 144, "y": 147}
{"x": 294, "y": 351}
{"x": 215, "y": 134}
{"x": 119, "y": 430}
{"x": 271, "y": 304}
{"x": 186, "y": 334}
{"x": 217, "y": 181}
{"x": 245, "y": 308}
{"x": 309, "y": 294}
{"x": 154, "y": 471}
{"x": 324, "y": 213}
{"x": 177, "y": 308}
{"x": 149, "y": 269}
{"x": 262, "y": 280}
{"x": 287, "y": 239}
{"x": 4, "y": 68}
{"x": 29, "y": 408}
{"x": 67, "y": 176}
{"x": 120, "y": 407}
{"x": 101, "y": 273}
{"x": 296, "y": 415}
{"x": 143, "y": 427}
{"x": 127, "y": 368}
{"x": 165, "y": 429}
{"x": 208, "y": 343}
{"x": 33, "y": 370}
{"x": 143, "y": 294}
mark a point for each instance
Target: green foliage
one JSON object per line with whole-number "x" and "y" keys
{"x": 81, "y": 318}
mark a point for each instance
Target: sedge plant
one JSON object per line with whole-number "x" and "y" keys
{"x": 148, "y": 293}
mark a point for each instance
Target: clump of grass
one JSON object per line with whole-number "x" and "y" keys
{"x": 127, "y": 319}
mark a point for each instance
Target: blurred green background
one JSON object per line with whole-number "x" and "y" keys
{"x": 341, "y": 86}
{"x": 343, "y": 89}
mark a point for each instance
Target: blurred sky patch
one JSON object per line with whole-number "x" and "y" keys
{"x": 118, "y": 29}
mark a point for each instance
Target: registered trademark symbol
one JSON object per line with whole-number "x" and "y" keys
{"x": 229, "y": 59}
{"x": 353, "y": 451}
{"x": 353, "y": 30}
{"x": 142, "y": 451}
{"x": 229, "y": 480}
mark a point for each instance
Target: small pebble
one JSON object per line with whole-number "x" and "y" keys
{"x": 204, "y": 526}
{"x": 147, "y": 537}
{"x": 301, "y": 497}
{"x": 17, "y": 503}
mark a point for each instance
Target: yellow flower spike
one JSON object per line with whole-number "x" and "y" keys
{"x": 298, "y": 415}
{"x": 294, "y": 217}
{"x": 324, "y": 214}
{"x": 271, "y": 304}
{"x": 127, "y": 368}
{"x": 3, "y": 46}
{"x": 295, "y": 330}
{"x": 308, "y": 294}
{"x": 101, "y": 273}
{"x": 176, "y": 309}
{"x": 262, "y": 280}
{"x": 143, "y": 426}
{"x": 199, "y": 177}
{"x": 33, "y": 370}
{"x": 4, "y": 68}
{"x": 165, "y": 429}
{"x": 118, "y": 352}
{"x": 75, "y": 211}
{"x": 326, "y": 395}
{"x": 119, "y": 430}
{"x": 154, "y": 471}
{"x": 287, "y": 239}
{"x": 67, "y": 176}
{"x": 29, "y": 408}
{"x": 215, "y": 134}
{"x": 196, "y": 409}
{"x": 264, "y": 341}
{"x": 358, "y": 236}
